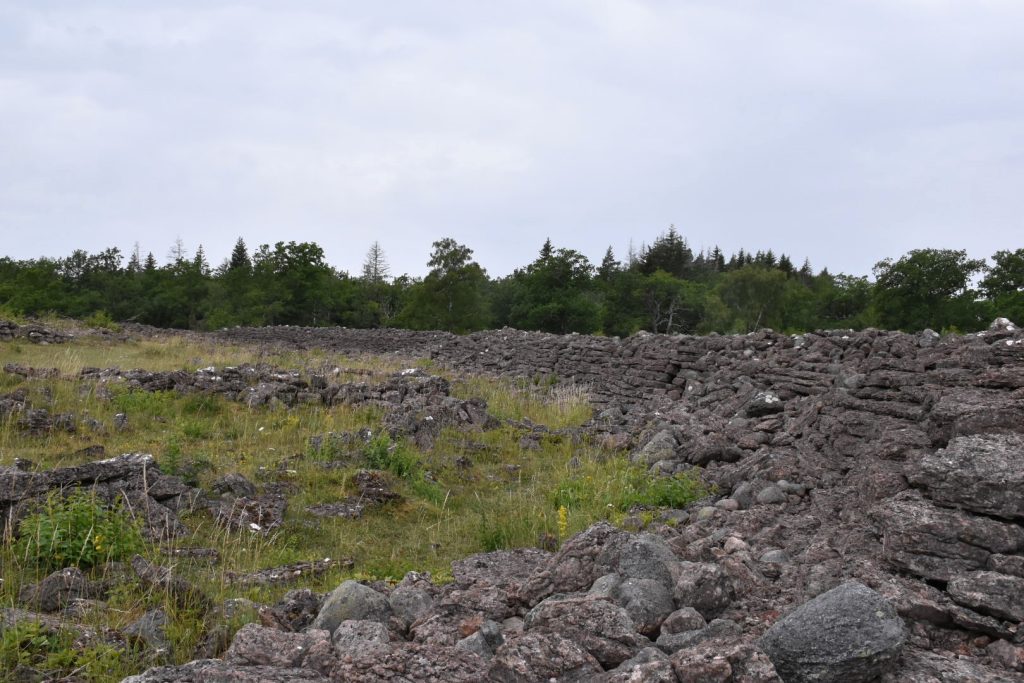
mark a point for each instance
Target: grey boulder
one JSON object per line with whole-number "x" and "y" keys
{"x": 351, "y": 601}
{"x": 849, "y": 634}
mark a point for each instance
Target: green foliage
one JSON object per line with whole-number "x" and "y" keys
{"x": 382, "y": 454}
{"x": 202, "y": 404}
{"x": 148, "y": 403}
{"x": 493, "y": 534}
{"x": 451, "y": 297}
{"x": 553, "y": 294}
{"x": 30, "y": 644}
{"x": 757, "y": 296}
{"x": 1004, "y": 284}
{"x": 672, "y": 305}
{"x": 642, "y": 489}
{"x": 540, "y": 399}
{"x": 101, "y": 319}
{"x": 400, "y": 460}
{"x": 669, "y": 254}
{"x": 171, "y": 463}
{"x": 628, "y": 487}
{"x": 928, "y": 288}
{"x": 77, "y": 530}
{"x": 665, "y": 288}
{"x": 196, "y": 429}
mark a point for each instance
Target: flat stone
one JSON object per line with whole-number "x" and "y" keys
{"x": 939, "y": 543}
{"x": 982, "y": 473}
{"x": 992, "y": 593}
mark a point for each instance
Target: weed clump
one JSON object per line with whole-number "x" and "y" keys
{"x": 400, "y": 460}
{"x": 101, "y": 320}
{"x": 381, "y": 454}
{"x": 77, "y": 531}
{"x": 29, "y": 645}
{"x": 627, "y": 488}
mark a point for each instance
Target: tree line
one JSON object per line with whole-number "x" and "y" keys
{"x": 665, "y": 287}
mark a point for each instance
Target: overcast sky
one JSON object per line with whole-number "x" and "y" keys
{"x": 845, "y": 131}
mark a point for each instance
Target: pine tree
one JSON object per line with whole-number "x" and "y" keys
{"x": 608, "y": 266}
{"x": 199, "y": 262}
{"x": 669, "y": 253}
{"x": 375, "y": 267}
{"x": 134, "y": 263}
{"x": 717, "y": 260}
{"x": 177, "y": 254}
{"x": 546, "y": 250}
{"x": 240, "y": 257}
{"x": 150, "y": 264}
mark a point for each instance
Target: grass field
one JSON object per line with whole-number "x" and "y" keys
{"x": 473, "y": 491}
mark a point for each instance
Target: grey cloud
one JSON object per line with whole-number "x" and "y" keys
{"x": 845, "y": 131}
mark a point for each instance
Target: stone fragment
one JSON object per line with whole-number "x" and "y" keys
{"x": 212, "y": 670}
{"x": 704, "y": 587}
{"x": 151, "y": 629}
{"x": 600, "y": 627}
{"x": 539, "y": 657}
{"x": 410, "y": 662}
{"x": 484, "y": 641}
{"x": 352, "y": 635}
{"x": 1006, "y": 655}
{"x": 256, "y": 645}
{"x": 56, "y": 590}
{"x": 922, "y": 666}
{"x": 650, "y": 665}
{"x": 723, "y": 661}
{"x": 683, "y": 619}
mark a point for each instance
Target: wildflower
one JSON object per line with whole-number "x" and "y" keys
{"x": 563, "y": 521}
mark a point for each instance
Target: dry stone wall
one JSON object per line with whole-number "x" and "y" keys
{"x": 649, "y": 369}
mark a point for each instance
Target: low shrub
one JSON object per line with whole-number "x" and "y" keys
{"x": 102, "y": 320}
{"x": 77, "y": 530}
{"x": 382, "y": 454}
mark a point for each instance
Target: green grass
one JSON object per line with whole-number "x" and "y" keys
{"x": 546, "y": 403}
{"x": 474, "y": 491}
